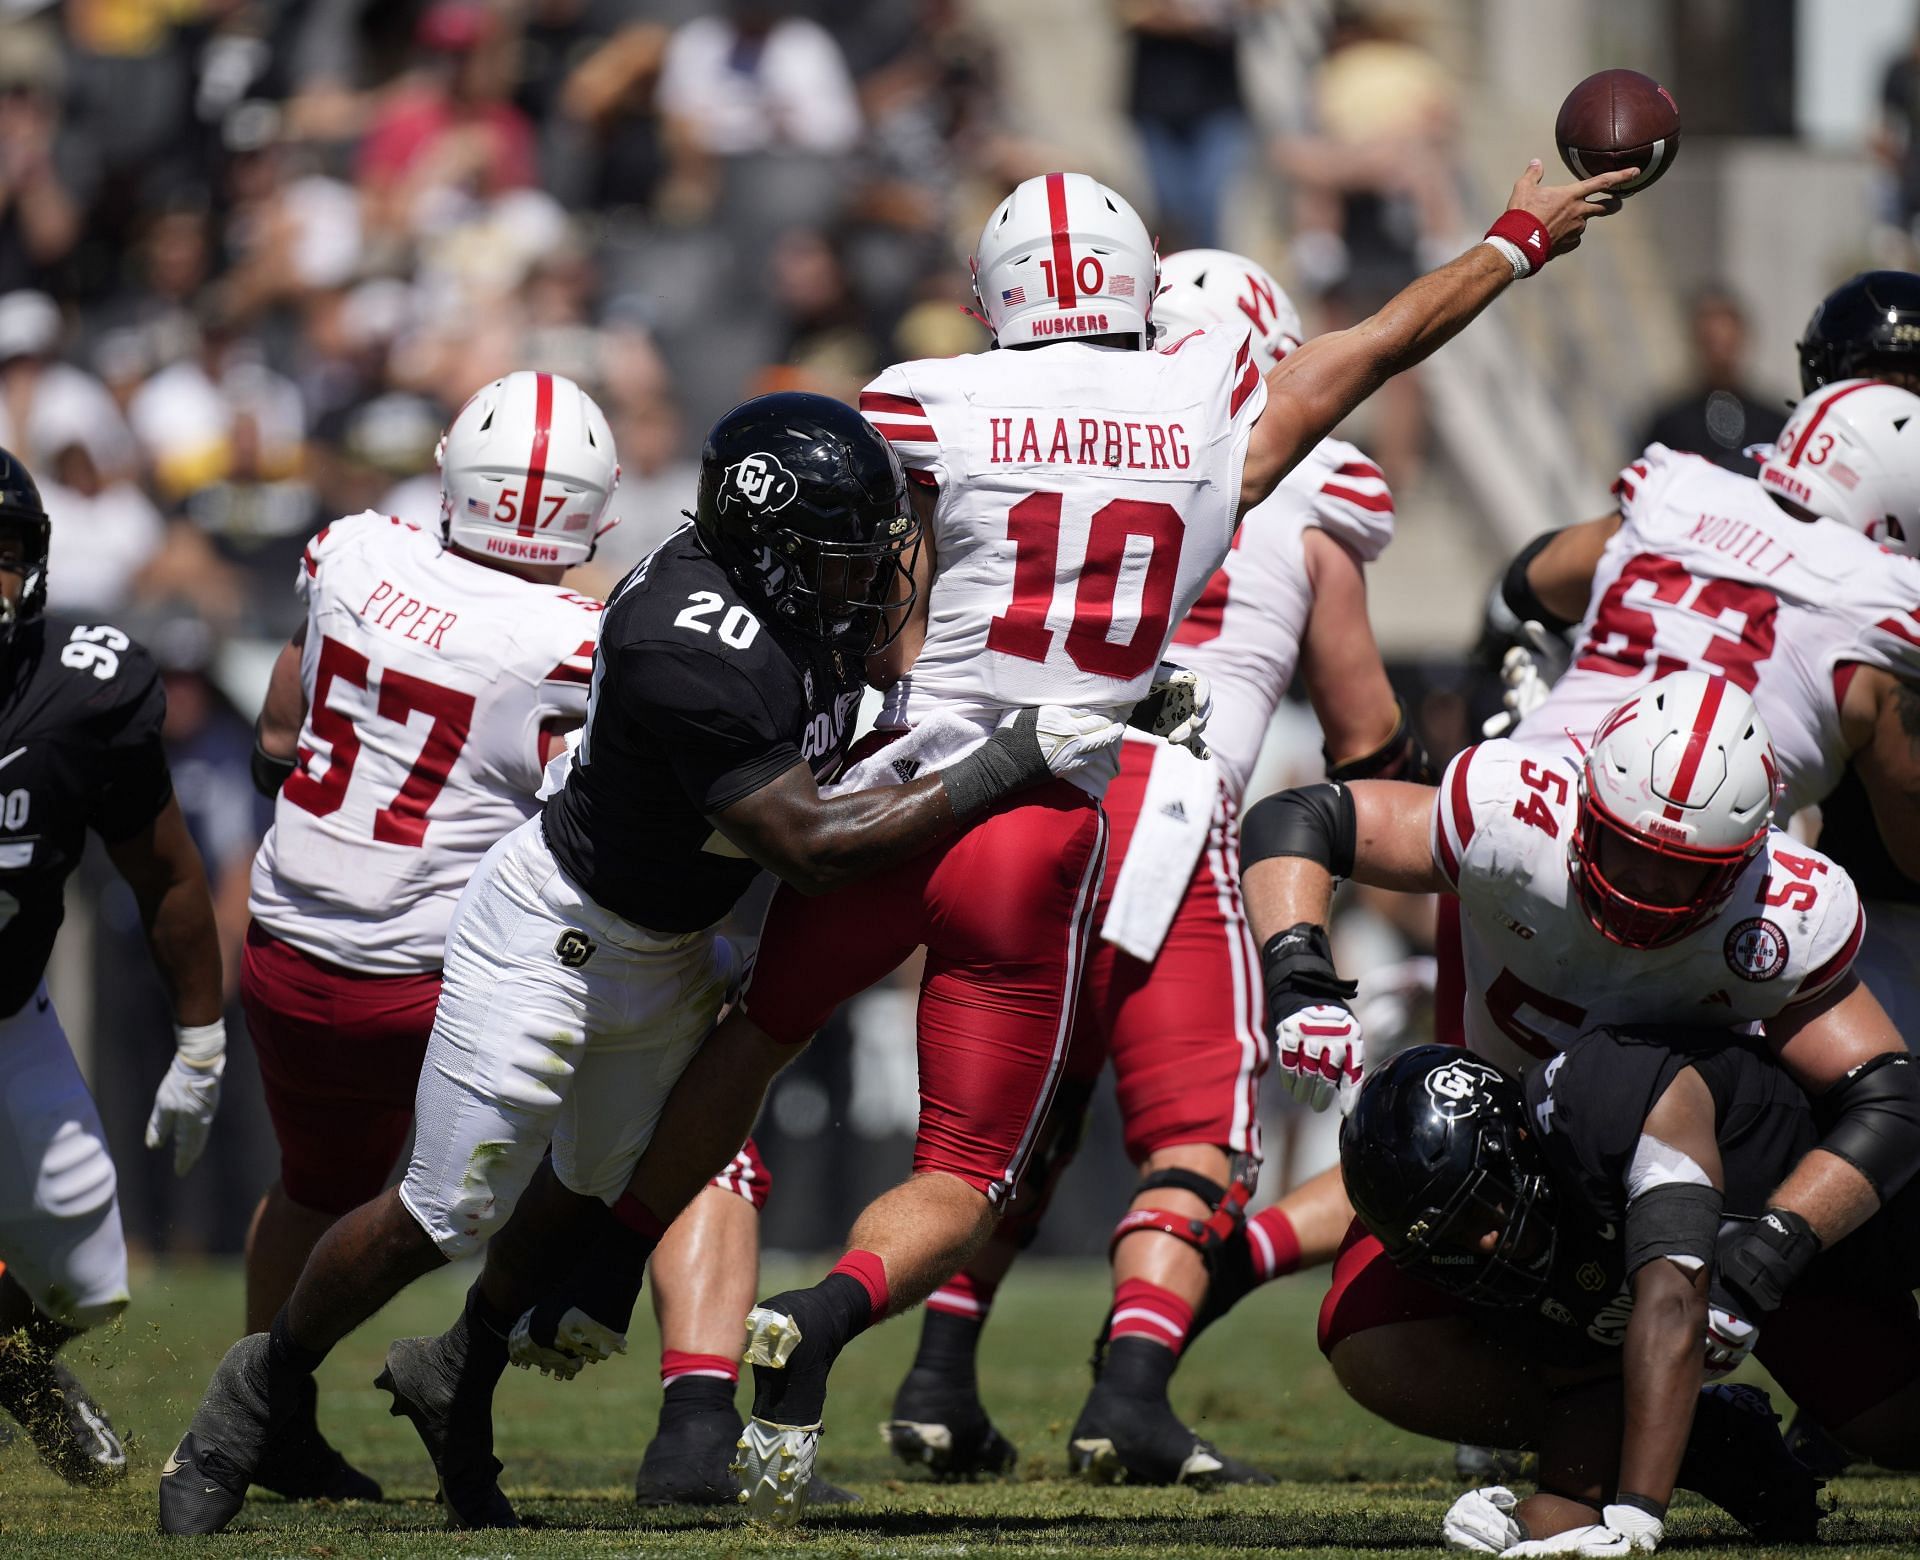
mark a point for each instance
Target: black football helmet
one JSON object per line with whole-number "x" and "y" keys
{"x": 1868, "y": 328}
{"x": 804, "y": 504}
{"x": 24, "y": 538}
{"x": 1436, "y": 1156}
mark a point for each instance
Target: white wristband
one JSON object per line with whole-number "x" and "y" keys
{"x": 1511, "y": 251}
{"x": 201, "y": 1045}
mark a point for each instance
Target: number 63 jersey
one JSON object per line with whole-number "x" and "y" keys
{"x": 1539, "y": 974}
{"x": 428, "y": 678}
{"x": 1086, "y": 495}
{"x": 81, "y": 708}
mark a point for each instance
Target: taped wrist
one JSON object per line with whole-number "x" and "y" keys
{"x": 1761, "y": 1259}
{"x": 201, "y": 1045}
{"x": 1872, "y": 1120}
{"x": 1008, "y": 761}
{"x": 1299, "y": 963}
{"x": 269, "y": 772}
{"x": 1400, "y": 757}
{"x": 1517, "y": 591}
{"x": 1678, "y": 1219}
{"x": 1313, "y": 821}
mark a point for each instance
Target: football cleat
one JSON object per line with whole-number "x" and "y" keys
{"x": 772, "y": 1336}
{"x": 1129, "y": 1440}
{"x": 774, "y": 1467}
{"x": 944, "y": 1428}
{"x": 303, "y": 1465}
{"x": 560, "y": 1346}
{"x": 1815, "y": 1446}
{"x": 203, "y": 1483}
{"x": 68, "y": 1428}
{"x": 690, "y": 1462}
{"x": 424, "y": 1383}
{"x": 1737, "y": 1458}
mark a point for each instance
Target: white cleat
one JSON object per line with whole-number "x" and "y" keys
{"x": 772, "y": 1336}
{"x": 774, "y": 1469}
{"x": 578, "y": 1340}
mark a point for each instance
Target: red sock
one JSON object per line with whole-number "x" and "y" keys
{"x": 675, "y": 1363}
{"x": 1143, "y": 1310}
{"x": 867, "y": 1270}
{"x": 1276, "y": 1246}
{"x": 965, "y": 1296}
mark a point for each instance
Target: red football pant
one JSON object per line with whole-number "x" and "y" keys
{"x": 340, "y": 1057}
{"x": 1184, "y": 1033}
{"x": 1004, "y": 912}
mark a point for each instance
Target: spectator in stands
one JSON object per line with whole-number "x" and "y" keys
{"x": 1897, "y": 141}
{"x": 1185, "y": 101}
{"x": 1719, "y": 414}
{"x": 47, "y": 172}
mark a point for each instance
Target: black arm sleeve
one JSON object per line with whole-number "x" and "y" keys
{"x": 1872, "y": 1120}
{"x": 1314, "y": 821}
{"x": 1519, "y": 595}
{"x": 1680, "y": 1219}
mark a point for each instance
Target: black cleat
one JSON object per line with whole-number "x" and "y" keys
{"x": 424, "y": 1383}
{"x": 688, "y": 1462}
{"x": 942, "y": 1426}
{"x": 1814, "y": 1445}
{"x": 1130, "y": 1440}
{"x": 1737, "y": 1459}
{"x": 303, "y": 1465}
{"x": 203, "y": 1483}
{"x": 70, "y": 1431}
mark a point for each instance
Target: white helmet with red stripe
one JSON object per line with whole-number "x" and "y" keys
{"x": 1064, "y": 256}
{"x": 526, "y": 471}
{"x": 1676, "y": 797}
{"x": 1200, "y": 287}
{"x": 1851, "y": 452}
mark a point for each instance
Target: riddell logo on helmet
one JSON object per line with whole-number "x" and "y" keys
{"x": 525, "y": 552}
{"x": 1070, "y": 324}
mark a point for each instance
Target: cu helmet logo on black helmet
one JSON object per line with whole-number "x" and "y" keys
{"x": 1456, "y": 1088}
{"x": 760, "y": 481}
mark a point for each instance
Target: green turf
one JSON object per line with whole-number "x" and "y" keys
{"x": 1255, "y": 1384}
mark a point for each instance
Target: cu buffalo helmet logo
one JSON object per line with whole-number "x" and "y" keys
{"x": 573, "y": 948}
{"x": 1456, "y": 1089}
{"x": 760, "y": 482}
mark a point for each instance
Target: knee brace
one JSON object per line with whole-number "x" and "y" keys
{"x": 1227, "y": 1205}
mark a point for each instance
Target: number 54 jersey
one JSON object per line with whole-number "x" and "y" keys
{"x": 1539, "y": 973}
{"x": 428, "y": 678}
{"x": 1086, "y": 495}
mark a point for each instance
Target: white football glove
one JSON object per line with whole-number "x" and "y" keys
{"x": 1526, "y": 689}
{"x": 1622, "y": 1531}
{"x": 1482, "y": 1520}
{"x": 577, "y": 1340}
{"x": 1177, "y": 708}
{"x": 1730, "y": 1339}
{"x": 1319, "y": 1050}
{"x": 189, "y": 1093}
{"x": 1068, "y": 738}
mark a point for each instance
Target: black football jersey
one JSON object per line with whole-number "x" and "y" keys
{"x": 697, "y": 702}
{"x": 81, "y": 708}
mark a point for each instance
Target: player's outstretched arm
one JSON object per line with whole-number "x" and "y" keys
{"x": 1341, "y": 668}
{"x": 1322, "y": 381}
{"x": 1551, "y": 579}
{"x": 819, "y": 843}
{"x": 163, "y": 868}
{"x": 276, "y": 734}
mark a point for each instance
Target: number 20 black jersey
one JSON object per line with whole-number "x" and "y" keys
{"x": 81, "y": 707}
{"x": 697, "y": 702}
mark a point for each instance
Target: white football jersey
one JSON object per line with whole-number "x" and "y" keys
{"x": 1244, "y": 631}
{"x": 1707, "y": 573}
{"x": 1538, "y": 972}
{"x": 428, "y": 678}
{"x": 1085, "y": 497}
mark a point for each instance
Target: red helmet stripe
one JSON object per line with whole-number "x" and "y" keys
{"x": 1696, "y": 743}
{"x": 1063, "y": 282}
{"x": 1813, "y": 422}
{"x": 537, "y": 461}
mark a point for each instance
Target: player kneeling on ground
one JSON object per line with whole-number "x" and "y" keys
{"x": 582, "y": 970}
{"x": 1555, "y": 1241}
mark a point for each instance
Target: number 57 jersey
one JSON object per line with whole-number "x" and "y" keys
{"x": 1539, "y": 974}
{"x": 1086, "y": 495}
{"x": 428, "y": 678}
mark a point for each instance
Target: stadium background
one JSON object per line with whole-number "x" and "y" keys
{"x": 254, "y": 252}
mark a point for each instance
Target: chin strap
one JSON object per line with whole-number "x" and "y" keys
{"x": 1228, "y": 1204}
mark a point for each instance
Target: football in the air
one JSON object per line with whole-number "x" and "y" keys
{"x": 1619, "y": 119}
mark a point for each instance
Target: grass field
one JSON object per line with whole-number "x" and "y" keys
{"x": 1350, "y": 1486}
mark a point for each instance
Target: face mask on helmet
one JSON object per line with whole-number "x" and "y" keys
{"x": 854, "y": 596}
{"x": 23, "y": 571}
{"x": 1492, "y": 1243}
{"x": 1642, "y": 891}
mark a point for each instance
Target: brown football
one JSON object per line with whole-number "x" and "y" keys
{"x": 1619, "y": 119}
